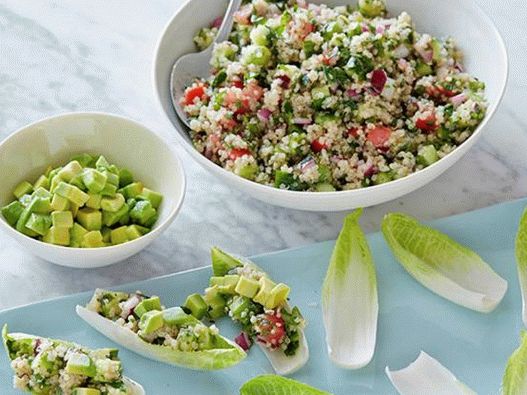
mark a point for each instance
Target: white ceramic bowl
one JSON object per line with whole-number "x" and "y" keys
{"x": 474, "y": 32}
{"x": 26, "y": 154}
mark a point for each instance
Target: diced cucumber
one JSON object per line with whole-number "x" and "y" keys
{"x": 259, "y": 35}
{"x": 256, "y": 54}
{"x": 106, "y": 234}
{"x": 423, "y": 69}
{"x": 382, "y": 178}
{"x": 125, "y": 178}
{"x": 325, "y": 187}
{"x": 23, "y": 188}
{"x": 42, "y": 182}
{"x": 135, "y": 231}
{"x": 427, "y": 155}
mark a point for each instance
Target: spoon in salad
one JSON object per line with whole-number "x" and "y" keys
{"x": 197, "y": 65}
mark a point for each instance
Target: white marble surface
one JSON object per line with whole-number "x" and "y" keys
{"x": 59, "y": 56}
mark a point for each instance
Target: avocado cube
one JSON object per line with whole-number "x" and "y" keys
{"x": 86, "y": 160}
{"x": 176, "y": 317}
{"x": 52, "y": 173}
{"x": 151, "y": 321}
{"x": 24, "y": 217}
{"x": 53, "y": 183}
{"x": 102, "y": 163}
{"x": 132, "y": 190}
{"x": 59, "y": 203}
{"x": 72, "y": 193}
{"x": 26, "y": 199}
{"x": 151, "y": 222}
{"x": 77, "y": 233}
{"x": 278, "y": 296}
{"x": 12, "y": 212}
{"x": 106, "y": 234}
{"x": 89, "y": 218}
{"x": 74, "y": 209}
{"x": 109, "y": 190}
{"x": 153, "y": 197}
{"x": 229, "y": 284}
{"x": 125, "y": 177}
{"x": 112, "y": 204}
{"x": 266, "y": 286}
{"x": 247, "y": 287}
{"x": 70, "y": 170}
{"x": 239, "y": 306}
{"x": 109, "y": 218}
{"x": 94, "y": 201}
{"x": 94, "y": 180}
{"x": 102, "y": 371}
{"x": 134, "y": 232}
{"x": 39, "y": 223}
{"x": 86, "y": 391}
{"x": 92, "y": 239}
{"x": 41, "y": 193}
{"x": 196, "y": 305}
{"x": 22, "y": 188}
{"x": 125, "y": 219}
{"x": 58, "y": 236}
{"x": 142, "y": 212}
{"x": 153, "y": 303}
{"x": 119, "y": 235}
{"x": 41, "y": 205}
{"x": 80, "y": 364}
{"x": 111, "y": 178}
{"x": 62, "y": 219}
{"x": 215, "y": 301}
{"x": 42, "y": 182}
{"x": 78, "y": 182}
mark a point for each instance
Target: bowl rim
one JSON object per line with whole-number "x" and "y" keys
{"x": 267, "y": 189}
{"x": 159, "y": 228}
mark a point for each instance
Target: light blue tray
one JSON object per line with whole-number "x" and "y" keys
{"x": 474, "y": 346}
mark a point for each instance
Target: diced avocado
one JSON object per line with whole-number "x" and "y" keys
{"x": 153, "y": 303}
{"x": 42, "y": 182}
{"x": 39, "y": 223}
{"x": 59, "y": 203}
{"x": 153, "y": 197}
{"x": 86, "y": 160}
{"x": 215, "y": 301}
{"x": 222, "y": 262}
{"x": 94, "y": 201}
{"x": 94, "y": 180}
{"x": 266, "y": 286}
{"x": 132, "y": 190}
{"x": 26, "y": 199}
{"x": 135, "y": 231}
{"x": 72, "y": 193}
{"x": 175, "y": 316}
{"x": 423, "y": 69}
{"x": 12, "y": 212}
{"x": 125, "y": 177}
{"x": 77, "y": 233}
{"x": 322, "y": 119}
{"x": 81, "y": 364}
{"x": 41, "y": 205}
{"x": 382, "y": 178}
{"x": 62, "y": 219}
{"x": 278, "y": 296}
{"x": 111, "y": 178}
{"x": 22, "y": 188}
{"x": 89, "y": 218}
{"x": 142, "y": 212}
{"x": 74, "y": 209}
{"x": 53, "y": 183}
{"x": 197, "y": 305}
{"x": 226, "y": 284}
{"x": 247, "y": 287}
{"x": 70, "y": 170}
{"x": 86, "y": 391}
{"x": 23, "y": 218}
{"x": 106, "y": 234}
{"x": 78, "y": 182}
{"x": 112, "y": 204}
{"x": 109, "y": 190}
{"x": 151, "y": 321}
{"x": 427, "y": 155}
{"x": 110, "y": 219}
{"x": 238, "y": 305}
{"x": 102, "y": 163}
{"x": 151, "y": 222}
{"x": 320, "y": 92}
{"x": 92, "y": 239}
{"x": 58, "y": 236}
{"x": 42, "y": 193}
{"x": 119, "y": 235}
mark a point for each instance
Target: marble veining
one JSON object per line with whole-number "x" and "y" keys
{"x": 58, "y": 56}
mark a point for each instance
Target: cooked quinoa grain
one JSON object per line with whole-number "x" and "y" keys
{"x": 311, "y": 98}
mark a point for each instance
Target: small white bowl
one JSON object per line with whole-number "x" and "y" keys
{"x": 474, "y": 32}
{"x": 26, "y": 154}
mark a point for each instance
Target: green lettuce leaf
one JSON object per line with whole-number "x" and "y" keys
{"x": 521, "y": 262}
{"x": 349, "y": 298}
{"x": 442, "y": 265}
{"x": 277, "y": 385}
{"x": 515, "y": 377}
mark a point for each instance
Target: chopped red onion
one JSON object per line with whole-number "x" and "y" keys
{"x": 302, "y": 121}
{"x": 352, "y": 93}
{"x": 370, "y": 171}
{"x": 216, "y": 22}
{"x": 243, "y": 341}
{"x": 401, "y": 51}
{"x": 458, "y": 99}
{"x": 285, "y": 81}
{"x": 264, "y": 114}
{"x": 365, "y": 28}
{"x": 380, "y": 29}
{"x": 307, "y": 164}
{"x": 129, "y": 306}
{"x": 378, "y": 80}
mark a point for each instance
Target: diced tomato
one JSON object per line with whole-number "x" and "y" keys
{"x": 228, "y": 123}
{"x": 253, "y": 91}
{"x": 317, "y": 145}
{"x": 238, "y": 84}
{"x": 238, "y": 153}
{"x": 307, "y": 28}
{"x": 438, "y": 91}
{"x": 329, "y": 60}
{"x": 242, "y": 107}
{"x": 427, "y": 124}
{"x": 270, "y": 330}
{"x": 353, "y": 132}
{"x": 242, "y": 16}
{"x": 379, "y": 135}
{"x": 195, "y": 92}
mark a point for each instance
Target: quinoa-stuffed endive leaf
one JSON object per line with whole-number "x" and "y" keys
{"x": 277, "y": 385}
{"x": 521, "y": 262}
{"x": 167, "y": 335}
{"x": 95, "y": 371}
{"x": 253, "y": 300}
{"x": 515, "y": 377}
{"x": 442, "y": 265}
{"x": 349, "y": 298}
{"x": 426, "y": 376}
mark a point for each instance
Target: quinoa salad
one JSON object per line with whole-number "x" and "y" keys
{"x": 307, "y": 97}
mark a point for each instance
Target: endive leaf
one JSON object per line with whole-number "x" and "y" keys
{"x": 521, "y": 261}
{"x": 10, "y": 341}
{"x": 276, "y": 385}
{"x": 224, "y": 355}
{"x": 443, "y": 265}
{"x": 349, "y": 298}
{"x": 515, "y": 377}
{"x": 426, "y": 376}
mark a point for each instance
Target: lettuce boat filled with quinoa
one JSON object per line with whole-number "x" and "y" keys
{"x": 308, "y": 97}
{"x": 172, "y": 336}
{"x": 49, "y": 366}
